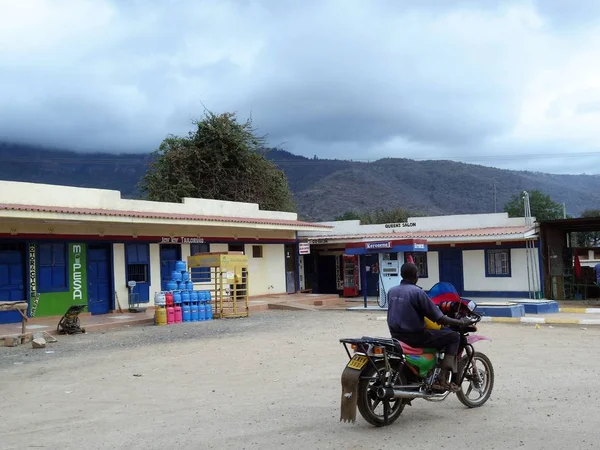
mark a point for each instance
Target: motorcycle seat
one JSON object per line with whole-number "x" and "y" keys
{"x": 408, "y": 350}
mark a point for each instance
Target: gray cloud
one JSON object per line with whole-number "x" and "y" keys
{"x": 341, "y": 79}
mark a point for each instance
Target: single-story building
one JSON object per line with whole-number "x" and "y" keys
{"x": 560, "y": 246}
{"x": 62, "y": 245}
{"x": 482, "y": 255}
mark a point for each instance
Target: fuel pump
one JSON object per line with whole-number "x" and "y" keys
{"x": 389, "y": 276}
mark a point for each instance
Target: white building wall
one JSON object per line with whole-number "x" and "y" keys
{"x": 433, "y": 271}
{"x": 121, "y": 291}
{"x": 266, "y": 274}
{"x": 51, "y": 195}
{"x": 474, "y": 272}
{"x": 154, "y": 272}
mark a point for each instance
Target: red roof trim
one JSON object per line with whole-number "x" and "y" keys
{"x": 154, "y": 215}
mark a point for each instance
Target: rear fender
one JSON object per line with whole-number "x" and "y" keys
{"x": 350, "y": 381}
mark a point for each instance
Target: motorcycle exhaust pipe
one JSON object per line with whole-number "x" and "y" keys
{"x": 390, "y": 393}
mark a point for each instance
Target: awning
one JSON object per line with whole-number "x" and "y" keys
{"x": 386, "y": 246}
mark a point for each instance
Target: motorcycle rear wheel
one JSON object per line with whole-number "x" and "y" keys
{"x": 485, "y": 390}
{"x": 368, "y": 401}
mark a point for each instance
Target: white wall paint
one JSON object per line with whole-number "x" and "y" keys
{"x": 474, "y": 272}
{"x": 51, "y": 195}
{"x": 186, "y": 250}
{"x": 433, "y": 271}
{"x": 434, "y": 223}
{"x": 266, "y": 274}
{"x": 154, "y": 271}
{"x": 119, "y": 276}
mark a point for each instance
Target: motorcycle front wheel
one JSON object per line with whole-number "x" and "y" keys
{"x": 481, "y": 380}
{"x": 372, "y": 408}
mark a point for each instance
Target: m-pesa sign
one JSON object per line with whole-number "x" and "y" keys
{"x": 377, "y": 245}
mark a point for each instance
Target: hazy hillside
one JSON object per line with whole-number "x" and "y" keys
{"x": 326, "y": 188}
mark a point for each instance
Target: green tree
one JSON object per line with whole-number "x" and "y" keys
{"x": 349, "y": 215}
{"x": 542, "y": 206}
{"x": 589, "y": 238}
{"x": 221, "y": 160}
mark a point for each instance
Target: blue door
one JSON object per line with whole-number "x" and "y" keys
{"x": 137, "y": 260}
{"x": 99, "y": 275}
{"x": 169, "y": 255}
{"x": 12, "y": 279}
{"x": 451, "y": 268}
{"x": 372, "y": 262}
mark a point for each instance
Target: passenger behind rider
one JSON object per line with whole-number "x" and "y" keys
{"x": 408, "y": 306}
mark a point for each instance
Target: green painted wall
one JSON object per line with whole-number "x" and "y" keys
{"x": 57, "y": 303}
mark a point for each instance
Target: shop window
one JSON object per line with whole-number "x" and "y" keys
{"x": 52, "y": 267}
{"x": 420, "y": 260}
{"x": 137, "y": 273}
{"x": 200, "y": 274}
{"x": 497, "y": 263}
{"x": 257, "y": 251}
{"x": 236, "y": 248}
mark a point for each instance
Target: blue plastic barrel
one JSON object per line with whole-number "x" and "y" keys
{"x": 177, "y": 297}
{"x": 202, "y": 311}
{"x": 185, "y": 296}
{"x": 176, "y": 275}
{"x": 209, "y": 312}
{"x": 195, "y": 312}
{"x": 185, "y": 276}
{"x": 180, "y": 266}
{"x": 186, "y": 312}
{"x": 172, "y": 285}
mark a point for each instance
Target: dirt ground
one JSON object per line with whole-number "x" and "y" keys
{"x": 273, "y": 382}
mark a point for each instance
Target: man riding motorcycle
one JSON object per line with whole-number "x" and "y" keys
{"x": 408, "y": 306}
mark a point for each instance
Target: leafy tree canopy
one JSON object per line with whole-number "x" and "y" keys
{"x": 222, "y": 160}
{"x": 542, "y": 206}
{"x": 379, "y": 216}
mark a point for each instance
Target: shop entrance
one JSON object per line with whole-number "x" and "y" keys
{"x": 371, "y": 261}
{"x": 12, "y": 279}
{"x": 169, "y": 255}
{"x": 99, "y": 275}
{"x": 451, "y": 268}
{"x": 137, "y": 259}
{"x": 290, "y": 269}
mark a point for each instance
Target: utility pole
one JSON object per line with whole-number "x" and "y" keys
{"x": 564, "y": 210}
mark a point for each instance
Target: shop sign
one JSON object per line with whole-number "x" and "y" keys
{"x": 401, "y": 225}
{"x": 182, "y": 240}
{"x": 319, "y": 241}
{"x": 32, "y": 280}
{"x": 377, "y": 245}
{"x": 77, "y": 273}
{"x": 304, "y": 248}
{"x": 419, "y": 246}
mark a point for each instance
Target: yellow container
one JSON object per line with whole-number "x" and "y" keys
{"x": 160, "y": 316}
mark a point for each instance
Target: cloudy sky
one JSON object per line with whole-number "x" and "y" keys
{"x": 514, "y": 84}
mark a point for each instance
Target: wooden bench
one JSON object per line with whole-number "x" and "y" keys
{"x": 17, "y": 306}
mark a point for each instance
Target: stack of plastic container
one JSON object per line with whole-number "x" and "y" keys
{"x": 181, "y": 302}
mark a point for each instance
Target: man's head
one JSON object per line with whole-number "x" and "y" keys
{"x": 409, "y": 273}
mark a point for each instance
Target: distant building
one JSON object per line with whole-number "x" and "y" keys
{"x": 64, "y": 245}
{"x": 482, "y": 255}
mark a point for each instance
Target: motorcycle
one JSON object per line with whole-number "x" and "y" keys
{"x": 389, "y": 373}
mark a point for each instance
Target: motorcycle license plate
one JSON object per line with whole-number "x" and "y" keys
{"x": 358, "y": 362}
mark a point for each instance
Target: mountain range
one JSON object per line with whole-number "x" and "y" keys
{"x": 325, "y": 188}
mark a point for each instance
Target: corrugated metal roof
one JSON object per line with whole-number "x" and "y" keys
{"x": 472, "y": 232}
{"x": 156, "y": 215}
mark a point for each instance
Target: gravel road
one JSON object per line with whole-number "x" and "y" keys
{"x": 272, "y": 381}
